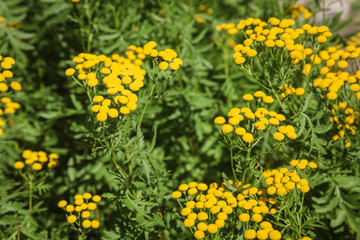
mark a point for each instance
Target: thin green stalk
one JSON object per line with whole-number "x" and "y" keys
{"x": 232, "y": 163}
{"x": 30, "y": 192}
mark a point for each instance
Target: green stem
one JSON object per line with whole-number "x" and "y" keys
{"x": 30, "y": 193}
{"x": 232, "y": 164}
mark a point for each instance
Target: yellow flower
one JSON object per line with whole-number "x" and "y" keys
{"x": 244, "y": 217}
{"x": 299, "y": 91}
{"x": 259, "y": 94}
{"x": 176, "y": 195}
{"x": 91, "y": 206}
{"x": 202, "y": 187}
{"x": 71, "y": 219}
{"x": 96, "y": 198}
{"x": 262, "y": 234}
{"x": 85, "y": 214}
{"x": 199, "y": 234}
{"x": 321, "y": 39}
{"x": 69, "y": 72}
{"x": 189, "y": 222}
{"x": 125, "y": 110}
{"x": 248, "y": 97}
{"x": 256, "y": 217}
{"x": 69, "y": 208}
{"x": 37, "y": 166}
{"x": 174, "y": 66}
{"x": 278, "y": 136}
{"x": 342, "y": 64}
{"x": 101, "y": 117}
{"x": 62, "y": 203}
{"x": 271, "y": 190}
{"x": 275, "y": 234}
{"x": 251, "y": 53}
{"x": 312, "y": 165}
{"x": 192, "y": 191}
{"x": 219, "y": 120}
{"x": 16, "y": 86}
{"x": 86, "y": 223}
{"x": 220, "y": 223}
{"x": 259, "y": 126}
{"x": 95, "y": 224}
{"x": 250, "y": 234}
{"x": 331, "y": 96}
{"x": 183, "y": 187}
{"x": 163, "y": 65}
{"x": 113, "y": 113}
{"x": 202, "y": 216}
{"x": 227, "y": 128}
{"x": 247, "y": 137}
{"x": 268, "y": 99}
{"x": 202, "y": 226}
{"x": 212, "y": 228}
{"x": 19, "y": 165}
{"x": 87, "y": 195}
{"x": 79, "y": 201}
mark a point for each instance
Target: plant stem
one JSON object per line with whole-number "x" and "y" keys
{"x": 30, "y": 192}
{"x": 232, "y": 164}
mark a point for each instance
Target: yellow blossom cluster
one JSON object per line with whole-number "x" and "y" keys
{"x": 297, "y": 10}
{"x": 12, "y": 25}
{"x": 208, "y": 207}
{"x": 354, "y": 40}
{"x": 36, "y": 160}
{"x": 332, "y": 75}
{"x": 302, "y": 164}
{"x": 120, "y": 77}
{"x": 229, "y": 27}
{"x": 204, "y": 10}
{"x": 280, "y": 37}
{"x": 7, "y": 106}
{"x": 283, "y": 181}
{"x": 290, "y": 90}
{"x": 346, "y": 119}
{"x": 80, "y": 213}
{"x": 168, "y": 57}
{"x": 266, "y": 231}
{"x": 250, "y": 125}
{"x": 114, "y": 80}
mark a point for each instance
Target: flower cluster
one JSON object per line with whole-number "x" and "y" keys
{"x": 266, "y": 231}
{"x": 280, "y": 37}
{"x": 5, "y": 23}
{"x": 7, "y": 106}
{"x": 346, "y": 119}
{"x": 302, "y": 164}
{"x": 297, "y": 10}
{"x": 81, "y": 213}
{"x": 290, "y": 90}
{"x": 36, "y": 160}
{"x": 168, "y": 56}
{"x": 251, "y": 126}
{"x": 229, "y": 27}
{"x": 120, "y": 78}
{"x": 354, "y": 40}
{"x": 332, "y": 75}
{"x": 204, "y": 11}
{"x": 207, "y": 208}
{"x": 283, "y": 181}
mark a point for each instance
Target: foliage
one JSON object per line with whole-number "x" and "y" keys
{"x": 74, "y": 60}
